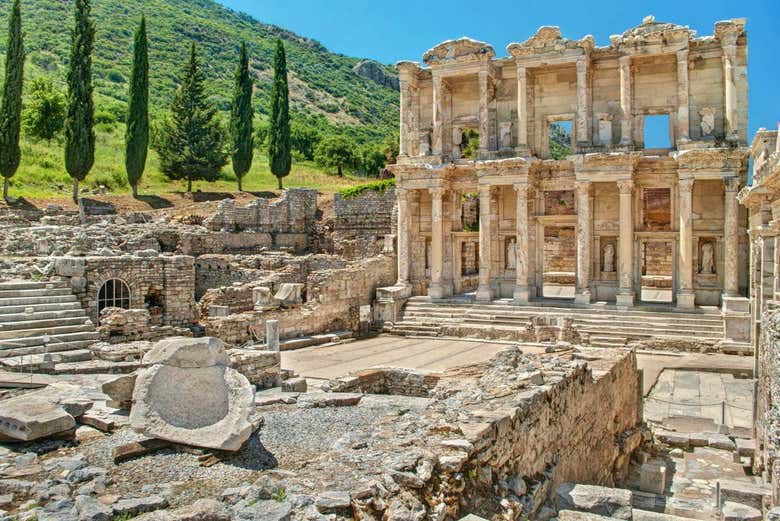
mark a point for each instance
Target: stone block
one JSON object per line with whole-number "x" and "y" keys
{"x": 737, "y": 512}
{"x": 571, "y": 515}
{"x": 312, "y": 400}
{"x": 120, "y": 389}
{"x": 721, "y": 441}
{"x": 69, "y": 266}
{"x": 603, "y": 501}
{"x": 294, "y": 385}
{"x": 33, "y": 416}
{"x": 652, "y": 477}
{"x": 751, "y": 494}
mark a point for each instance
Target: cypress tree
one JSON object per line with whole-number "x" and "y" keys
{"x": 242, "y": 142}
{"x": 11, "y": 109}
{"x": 79, "y": 132}
{"x": 137, "y": 131}
{"x": 279, "y": 133}
{"x": 191, "y": 143}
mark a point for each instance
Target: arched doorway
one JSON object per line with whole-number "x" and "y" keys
{"x": 114, "y": 293}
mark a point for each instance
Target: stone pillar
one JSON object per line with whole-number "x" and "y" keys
{"x": 583, "y": 105}
{"x": 584, "y": 241}
{"x": 522, "y": 107}
{"x": 272, "y": 335}
{"x": 484, "y": 127}
{"x": 685, "y": 294}
{"x": 625, "y": 295}
{"x": 730, "y": 89}
{"x": 436, "y": 289}
{"x": 484, "y": 292}
{"x": 731, "y": 239}
{"x": 405, "y": 109}
{"x": 521, "y": 294}
{"x": 683, "y": 121}
{"x": 625, "y": 100}
{"x": 438, "y": 115}
{"x": 403, "y": 236}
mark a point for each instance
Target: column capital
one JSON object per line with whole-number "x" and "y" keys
{"x": 582, "y": 64}
{"x": 583, "y": 186}
{"x": 625, "y": 186}
{"x": 685, "y": 185}
{"x": 521, "y": 188}
{"x": 682, "y": 55}
{"x": 731, "y": 184}
{"x": 437, "y": 192}
{"x": 625, "y": 60}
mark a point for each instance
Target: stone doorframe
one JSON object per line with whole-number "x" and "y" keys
{"x": 560, "y": 221}
{"x": 640, "y": 239}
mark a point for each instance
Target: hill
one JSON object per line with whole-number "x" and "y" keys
{"x": 323, "y": 85}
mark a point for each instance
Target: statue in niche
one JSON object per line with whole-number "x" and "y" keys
{"x": 457, "y": 142}
{"x": 511, "y": 254}
{"x": 505, "y": 134}
{"x": 707, "y": 259}
{"x": 425, "y": 143}
{"x": 707, "y": 121}
{"x": 609, "y": 258}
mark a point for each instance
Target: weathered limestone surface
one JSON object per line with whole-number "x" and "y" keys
{"x": 189, "y": 395}
{"x": 33, "y": 416}
{"x": 610, "y": 502}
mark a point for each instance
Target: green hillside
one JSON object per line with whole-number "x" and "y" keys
{"x": 324, "y": 91}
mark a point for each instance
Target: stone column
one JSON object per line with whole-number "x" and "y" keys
{"x": 583, "y": 107}
{"x": 625, "y": 100}
{"x": 730, "y": 89}
{"x": 521, "y": 294}
{"x": 436, "y": 289}
{"x": 403, "y": 236}
{"x": 683, "y": 122}
{"x": 438, "y": 115}
{"x": 484, "y": 292}
{"x": 272, "y": 335}
{"x": 484, "y": 127}
{"x": 731, "y": 239}
{"x": 406, "y": 106}
{"x": 522, "y": 108}
{"x": 625, "y": 295}
{"x": 584, "y": 240}
{"x": 685, "y": 294}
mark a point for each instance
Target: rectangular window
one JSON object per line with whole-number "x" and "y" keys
{"x": 560, "y": 139}
{"x": 657, "y": 134}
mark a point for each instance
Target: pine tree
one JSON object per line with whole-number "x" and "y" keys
{"x": 137, "y": 131}
{"x": 191, "y": 142}
{"x": 79, "y": 132}
{"x": 242, "y": 140}
{"x": 279, "y": 134}
{"x": 11, "y": 109}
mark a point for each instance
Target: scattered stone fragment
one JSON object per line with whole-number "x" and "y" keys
{"x": 85, "y": 433}
{"x": 311, "y": 400}
{"x": 90, "y": 509}
{"x": 571, "y": 515}
{"x": 32, "y": 416}
{"x": 120, "y": 390}
{"x": 138, "y": 448}
{"x": 134, "y": 506}
{"x": 201, "y": 510}
{"x": 333, "y": 501}
{"x": 604, "y": 501}
{"x": 737, "y": 512}
{"x": 294, "y": 385}
{"x": 264, "y": 510}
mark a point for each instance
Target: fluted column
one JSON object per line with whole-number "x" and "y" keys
{"x": 522, "y": 108}
{"x": 436, "y": 290}
{"x": 406, "y": 108}
{"x": 521, "y": 294}
{"x": 584, "y": 241}
{"x": 484, "y": 140}
{"x": 625, "y": 100}
{"x": 583, "y": 105}
{"x": 403, "y": 236}
{"x": 731, "y": 239}
{"x": 625, "y": 295}
{"x": 730, "y": 89}
{"x": 438, "y": 115}
{"x": 683, "y": 121}
{"x": 685, "y": 294}
{"x": 484, "y": 292}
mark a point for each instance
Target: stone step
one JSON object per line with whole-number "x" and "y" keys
{"x": 29, "y": 301}
{"x": 45, "y": 324}
{"x": 55, "y": 332}
{"x": 36, "y": 308}
{"x": 40, "y": 292}
{"x": 715, "y": 322}
{"x": 55, "y": 345}
{"x": 30, "y": 284}
{"x": 42, "y": 315}
{"x": 39, "y": 363}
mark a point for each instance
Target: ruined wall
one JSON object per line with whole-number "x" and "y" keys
{"x": 294, "y": 212}
{"x": 333, "y": 299}
{"x": 767, "y": 421}
{"x": 361, "y": 222}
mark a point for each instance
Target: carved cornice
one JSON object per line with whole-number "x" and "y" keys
{"x": 652, "y": 33}
{"x": 462, "y": 50}
{"x": 713, "y": 159}
{"x": 625, "y": 187}
{"x": 548, "y": 40}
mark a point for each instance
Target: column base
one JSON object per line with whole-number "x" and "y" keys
{"x": 484, "y": 294}
{"x": 686, "y": 299}
{"x": 520, "y": 296}
{"x": 625, "y": 299}
{"x": 734, "y": 304}
{"x": 436, "y": 291}
{"x": 583, "y": 297}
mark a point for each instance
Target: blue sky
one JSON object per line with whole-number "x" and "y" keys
{"x": 405, "y": 29}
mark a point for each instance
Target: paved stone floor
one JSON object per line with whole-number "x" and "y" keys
{"x": 701, "y": 394}
{"x": 391, "y": 351}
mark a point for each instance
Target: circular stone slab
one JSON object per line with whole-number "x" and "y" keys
{"x": 188, "y": 352}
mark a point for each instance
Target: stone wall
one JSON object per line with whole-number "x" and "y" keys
{"x": 333, "y": 299}
{"x": 388, "y": 380}
{"x": 293, "y": 213}
{"x": 361, "y": 222}
{"x": 164, "y": 284}
{"x": 767, "y": 421}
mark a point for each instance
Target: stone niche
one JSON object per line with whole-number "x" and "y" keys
{"x": 608, "y": 258}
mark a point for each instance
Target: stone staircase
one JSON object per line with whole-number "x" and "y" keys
{"x": 606, "y": 327}
{"x": 42, "y": 317}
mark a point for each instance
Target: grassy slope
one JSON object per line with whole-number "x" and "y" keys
{"x": 322, "y": 84}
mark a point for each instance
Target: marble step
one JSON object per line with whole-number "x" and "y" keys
{"x": 44, "y": 362}
{"x": 28, "y": 301}
{"x": 45, "y": 324}
{"x": 57, "y": 339}
{"x": 57, "y": 347}
{"x": 37, "y": 308}
{"x": 55, "y": 331}
{"x": 77, "y": 312}
{"x": 30, "y": 284}
{"x": 41, "y": 292}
